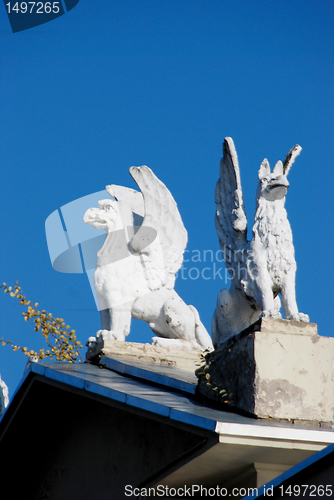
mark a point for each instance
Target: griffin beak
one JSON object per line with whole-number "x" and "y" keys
{"x": 280, "y": 182}
{"x": 91, "y": 216}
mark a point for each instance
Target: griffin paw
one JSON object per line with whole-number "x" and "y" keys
{"x": 304, "y": 317}
{"x": 108, "y": 335}
{"x": 271, "y": 313}
{"x": 176, "y": 343}
{"x": 300, "y": 317}
{"x": 160, "y": 342}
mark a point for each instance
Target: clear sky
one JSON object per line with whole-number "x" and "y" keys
{"x": 114, "y": 84}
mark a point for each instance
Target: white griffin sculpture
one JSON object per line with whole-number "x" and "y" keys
{"x": 264, "y": 267}
{"x": 135, "y": 270}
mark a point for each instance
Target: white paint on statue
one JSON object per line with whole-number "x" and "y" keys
{"x": 136, "y": 267}
{"x": 4, "y": 400}
{"x": 264, "y": 267}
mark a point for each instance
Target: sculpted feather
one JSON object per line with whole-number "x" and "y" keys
{"x": 162, "y": 214}
{"x": 230, "y": 220}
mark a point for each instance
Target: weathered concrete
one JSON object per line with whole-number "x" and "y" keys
{"x": 187, "y": 360}
{"x": 275, "y": 369}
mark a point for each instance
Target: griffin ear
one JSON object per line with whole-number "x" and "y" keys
{"x": 278, "y": 168}
{"x": 290, "y": 158}
{"x": 110, "y": 190}
{"x": 264, "y": 169}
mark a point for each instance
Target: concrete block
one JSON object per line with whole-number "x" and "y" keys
{"x": 275, "y": 369}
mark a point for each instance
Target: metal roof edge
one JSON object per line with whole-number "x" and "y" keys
{"x": 176, "y": 409}
{"x": 72, "y": 380}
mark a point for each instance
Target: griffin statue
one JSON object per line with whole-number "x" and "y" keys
{"x": 263, "y": 267}
{"x": 136, "y": 267}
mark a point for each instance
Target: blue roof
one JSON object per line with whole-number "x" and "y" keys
{"x": 161, "y": 390}
{"x": 135, "y": 393}
{"x": 165, "y": 391}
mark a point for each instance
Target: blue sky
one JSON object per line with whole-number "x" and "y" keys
{"x": 115, "y": 84}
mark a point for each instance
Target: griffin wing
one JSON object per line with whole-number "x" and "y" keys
{"x": 161, "y": 215}
{"x": 134, "y": 199}
{"x": 290, "y": 158}
{"x": 230, "y": 220}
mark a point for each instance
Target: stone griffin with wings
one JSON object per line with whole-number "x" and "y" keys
{"x": 136, "y": 267}
{"x": 263, "y": 267}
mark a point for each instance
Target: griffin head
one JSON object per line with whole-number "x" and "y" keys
{"x": 105, "y": 217}
{"x": 274, "y": 185}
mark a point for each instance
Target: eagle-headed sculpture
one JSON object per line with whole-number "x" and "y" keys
{"x": 136, "y": 267}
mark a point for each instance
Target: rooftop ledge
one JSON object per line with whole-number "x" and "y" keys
{"x": 160, "y": 384}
